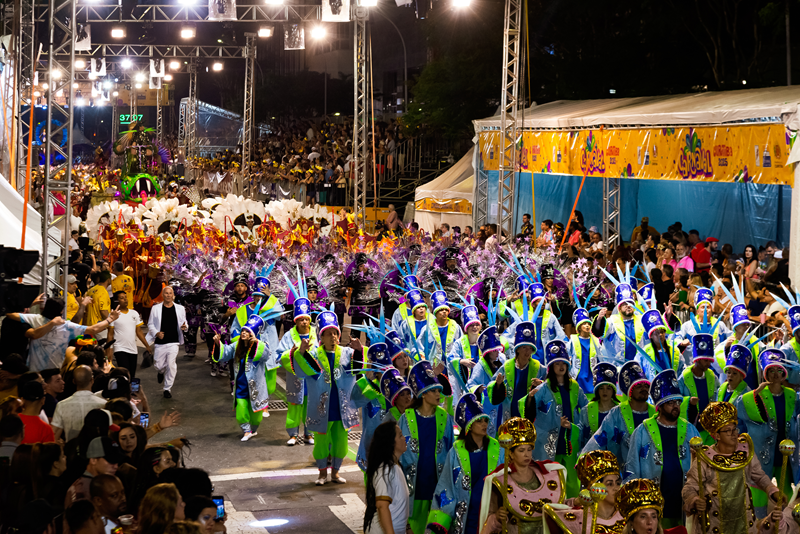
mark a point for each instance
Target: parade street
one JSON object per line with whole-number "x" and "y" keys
{"x": 268, "y": 484}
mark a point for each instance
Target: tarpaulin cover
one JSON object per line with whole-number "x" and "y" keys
{"x": 709, "y": 108}
{"x": 217, "y": 127}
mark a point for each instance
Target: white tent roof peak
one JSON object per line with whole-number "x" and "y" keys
{"x": 771, "y": 104}
{"x": 453, "y": 184}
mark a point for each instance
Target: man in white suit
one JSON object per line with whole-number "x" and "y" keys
{"x": 165, "y": 334}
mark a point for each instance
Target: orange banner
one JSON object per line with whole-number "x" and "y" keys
{"x": 717, "y": 154}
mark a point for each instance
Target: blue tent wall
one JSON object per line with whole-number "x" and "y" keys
{"x": 735, "y": 213}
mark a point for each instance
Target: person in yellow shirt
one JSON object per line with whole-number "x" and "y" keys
{"x": 122, "y": 282}
{"x": 101, "y": 303}
{"x": 76, "y": 305}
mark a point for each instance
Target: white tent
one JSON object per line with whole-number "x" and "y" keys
{"x": 448, "y": 198}
{"x": 11, "y": 227}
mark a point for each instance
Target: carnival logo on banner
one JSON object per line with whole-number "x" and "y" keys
{"x": 592, "y": 159}
{"x": 695, "y": 161}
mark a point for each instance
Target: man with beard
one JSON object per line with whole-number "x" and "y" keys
{"x": 108, "y": 496}
{"x": 249, "y": 355}
{"x": 624, "y": 330}
{"x": 660, "y": 446}
{"x": 615, "y": 431}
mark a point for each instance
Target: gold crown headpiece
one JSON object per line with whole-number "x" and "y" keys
{"x": 637, "y": 495}
{"x": 521, "y": 431}
{"x": 595, "y": 465}
{"x": 717, "y": 415}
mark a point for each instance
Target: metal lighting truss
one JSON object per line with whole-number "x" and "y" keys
{"x": 611, "y": 211}
{"x": 60, "y": 66}
{"x": 249, "y": 88}
{"x": 93, "y": 13}
{"x": 361, "y": 112}
{"x": 508, "y": 118}
{"x": 24, "y": 61}
{"x": 190, "y": 121}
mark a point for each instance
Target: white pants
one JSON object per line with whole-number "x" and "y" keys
{"x": 164, "y": 360}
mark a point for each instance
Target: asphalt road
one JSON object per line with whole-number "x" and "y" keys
{"x": 267, "y": 485}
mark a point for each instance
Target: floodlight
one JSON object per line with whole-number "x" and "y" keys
{"x": 318, "y": 32}
{"x": 369, "y": 3}
{"x": 108, "y": 85}
{"x": 55, "y": 74}
{"x": 138, "y": 86}
{"x": 115, "y": 93}
{"x": 274, "y": 2}
{"x": 79, "y": 101}
{"x": 118, "y": 32}
{"x": 168, "y": 77}
{"x": 217, "y": 66}
{"x": 188, "y": 32}
{"x": 126, "y": 63}
{"x": 459, "y": 4}
{"x": 265, "y": 31}
{"x": 174, "y": 64}
{"x": 80, "y": 63}
{"x": 139, "y": 77}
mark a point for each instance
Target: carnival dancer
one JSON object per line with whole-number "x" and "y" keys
{"x": 412, "y": 329}
{"x": 704, "y": 305}
{"x": 659, "y": 448}
{"x": 456, "y": 506}
{"x": 618, "y": 426}
{"x": 736, "y": 366}
{"x": 240, "y": 297}
{"x": 641, "y": 504}
{"x": 555, "y": 406}
{"x": 395, "y": 390}
{"x": 249, "y": 355}
{"x": 441, "y": 331}
{"x": 659, "y": 352}
{"x": 741, "y": 334}
{"x": 518, "y": 375}
{"x": 584, "y": 347}
{"x": 728, "y": 471}
{"x": 364, "y": 279}
{"x": 595, "y": 467}
{"x": 333, "y": 409}
{"x": 465, "y": 354}
{"x": 770, "y": 416}
{"x": 491, "y": 347}
{"x": 603, "y": 401}
{"x": 529, "y": 482}
{"x": 428, "y": 430}
{"x": 792, "y": 347}
{"x": 301, "y": 335}
{"x": 698, "y": 383}
{"x": 624, "y": 329}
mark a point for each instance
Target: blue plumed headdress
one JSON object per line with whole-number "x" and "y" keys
{"x": 262, "y": 281}
{"x": 624, "y": 292}
{"x": 468, "y": 410}
{"x": 556, "y": 351}
{"x": 703, "y": 340}
{"x": 739, "y": 358}
{"x": 524, "y": 325}
{"x": 771, "y": 357}
{"x": 630, "y": 376}
{"x": 254, "y": 324}
{"x": 302, "y": 306}
{"x": 422, "y": 378}
{"x": 792, "y": 305}
{"x": 604, "y": 373}
{"x": 702, "y": 296}
{"x": 582, "y": 314}
{"x": 665, "y": 388}
{"x": 409, "y": 276}
{"x": 327, "y": 319}
{"x": 739, "y": 310}
{"x": 392, "y": 385}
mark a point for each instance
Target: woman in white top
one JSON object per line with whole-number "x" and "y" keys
{"x": 387, "y": 491}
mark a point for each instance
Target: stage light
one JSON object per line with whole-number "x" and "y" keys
{"x": 168, "y": 77}
{"x": 126, "y": 63}
{"x": 217, "y": 66}
{"x": 118, "y": 32}
{"x": 186, "y": 2}
{"x": 80, "y": 63}
{"x": 55, "y": 74}
{"x": 318, "y": 32}
{"x": 175, "y": 65}
{"x": 139, "y": 77}
{"x": 265, "y": 31}
{"x": 59, "y": 93}
{"x": 459, "y": 4}
{"x": 115, "y": 93}
{"x": 37, "y": 93}
{"x": 74, "y": 85}
{"x": 369, "y": 3}
{"x": 274, "y": 2}
{"x": 188, "y": 32}
{"x": 44, "y": 86}
{"x": 138, "y": 86}
{"x": 92, "y": 76}
{"x": 108, "y": 85}
{"x": 79, "y": 101}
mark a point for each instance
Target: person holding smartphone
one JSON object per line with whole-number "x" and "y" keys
{"x": 164, "y": 336}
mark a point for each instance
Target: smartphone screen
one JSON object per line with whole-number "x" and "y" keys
{"x": 220, "y": 502}
{"x": 144, "y": 420}
{"x": 135, "y": 385}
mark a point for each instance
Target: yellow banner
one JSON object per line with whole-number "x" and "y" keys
{"x": 444, "y": 206}
{"x": 716, "y": 154}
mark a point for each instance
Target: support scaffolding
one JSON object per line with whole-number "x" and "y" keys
{"x": 25, "y": 66}
{"x": 361, "y": 113}
{"x": 190, "y": 121}
{"x": 611, "y": 212}
{"x": 56, "y": 229}
{"x": 249, "y": 88}
{"x": 506, "y": 191}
